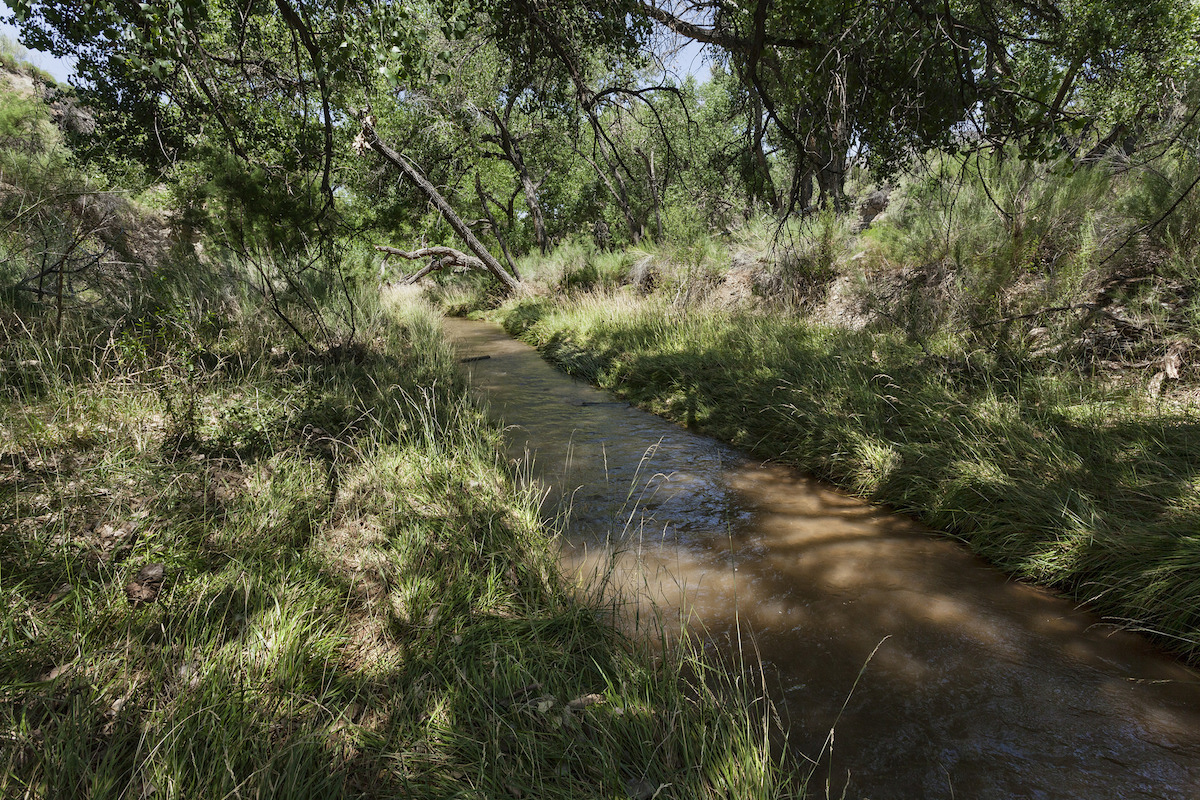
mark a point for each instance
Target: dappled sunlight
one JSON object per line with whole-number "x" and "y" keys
{"x": 353, "y": 599}
{"x": 971, "y": 683}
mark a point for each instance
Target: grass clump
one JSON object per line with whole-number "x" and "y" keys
{"x": 1093, "y": 260}
{"x": 577, "y": 265}
{"x": 355, "y": 600}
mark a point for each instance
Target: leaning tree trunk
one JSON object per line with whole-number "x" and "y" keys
{"x": 368, "y": 138}
{"x": 514, "y": 156}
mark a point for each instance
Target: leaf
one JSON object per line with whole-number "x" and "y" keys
{"x": 146, "y": 585}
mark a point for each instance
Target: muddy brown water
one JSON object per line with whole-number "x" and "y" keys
{"x": 979, "y": 686}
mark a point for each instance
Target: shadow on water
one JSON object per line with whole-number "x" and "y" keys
{"x": 978, "y": 687}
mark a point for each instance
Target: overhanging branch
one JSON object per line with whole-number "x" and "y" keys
{"x": 368, "y": 138}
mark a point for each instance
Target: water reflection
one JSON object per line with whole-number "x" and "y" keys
{"x": 982, "y": 687}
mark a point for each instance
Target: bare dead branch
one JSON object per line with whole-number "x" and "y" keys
{"x": 455, "y": 257}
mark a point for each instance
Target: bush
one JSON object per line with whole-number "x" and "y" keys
{"x": 810, "y": 257}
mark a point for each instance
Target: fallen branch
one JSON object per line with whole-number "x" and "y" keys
{"x": 1034, "y": 314}
{"x": 443, "y": 257}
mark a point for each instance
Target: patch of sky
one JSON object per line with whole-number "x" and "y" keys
{"x": 60, "y": 68}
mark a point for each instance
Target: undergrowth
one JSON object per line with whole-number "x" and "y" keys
{"x": 355, "y": 599}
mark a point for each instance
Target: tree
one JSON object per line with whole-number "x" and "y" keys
{"x": 275, "y": 84}
{"x": 893, "y": 78}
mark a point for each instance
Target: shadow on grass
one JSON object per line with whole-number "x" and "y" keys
{"x": 1049, "y": 478}
{"x": 435, "y": 653}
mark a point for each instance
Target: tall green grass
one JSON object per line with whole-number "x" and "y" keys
{"x": 970, "y": 241}
{"x": 358, "y": 600}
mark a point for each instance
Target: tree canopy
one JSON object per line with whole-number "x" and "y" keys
{"x": 506, "y": 103}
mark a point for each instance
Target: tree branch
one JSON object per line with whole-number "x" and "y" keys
{"x": 368, "y": 138}
{"x": 718, "y": 37}
{"x": 442, "y": 257}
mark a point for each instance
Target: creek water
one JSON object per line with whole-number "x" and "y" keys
{"x": 939, "y": 677}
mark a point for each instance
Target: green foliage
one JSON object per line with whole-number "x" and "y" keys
{"x": 65, "y": 242}
{"x": 536, "y": 92}
{"x": 1019, "y": 254}
{"x": 1161, "y": 201}
{"x": 994, "y": 225}
{"x": 810, "y": 254}
{"x": 357, "y": 599}
{"x": 22, "y": 123}
{"x": 577, "y": 266}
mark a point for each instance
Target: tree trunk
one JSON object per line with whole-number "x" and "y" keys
{"x": 831, "y": 172}
{"x": 635, "y": 226}
{"x": 766, "y": 186}
{"x": 514, "y": 156}
{"x": 487, "y": 212}
{"x": 653, "y": 191}
{"x": 371, "y": 139}
{"x": 619, "y": 196}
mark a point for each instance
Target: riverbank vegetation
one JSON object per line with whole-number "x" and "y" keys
{"x": 256, "y": 539}
{"x": 1005, "y": 378}
{"x": 232, "y": 566}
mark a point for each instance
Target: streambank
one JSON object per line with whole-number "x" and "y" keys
{"x": 1055, "y": 480}
{"x": 231, "y": 566}
{"x": 899, "y": 661}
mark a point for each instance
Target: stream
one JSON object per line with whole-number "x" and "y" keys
{"x": 938, "y": 676}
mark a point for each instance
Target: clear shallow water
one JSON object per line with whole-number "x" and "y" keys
{"x": 979, "y": 687}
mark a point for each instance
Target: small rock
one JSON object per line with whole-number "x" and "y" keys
{"x": 1173, "y": 360}
{"x": 874, "y": 205}
{"x": 641, "y": 789}
{"x": 585, "y": 701}
{"x": 189, "y": 673}
{"x": 57, "y": 672}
